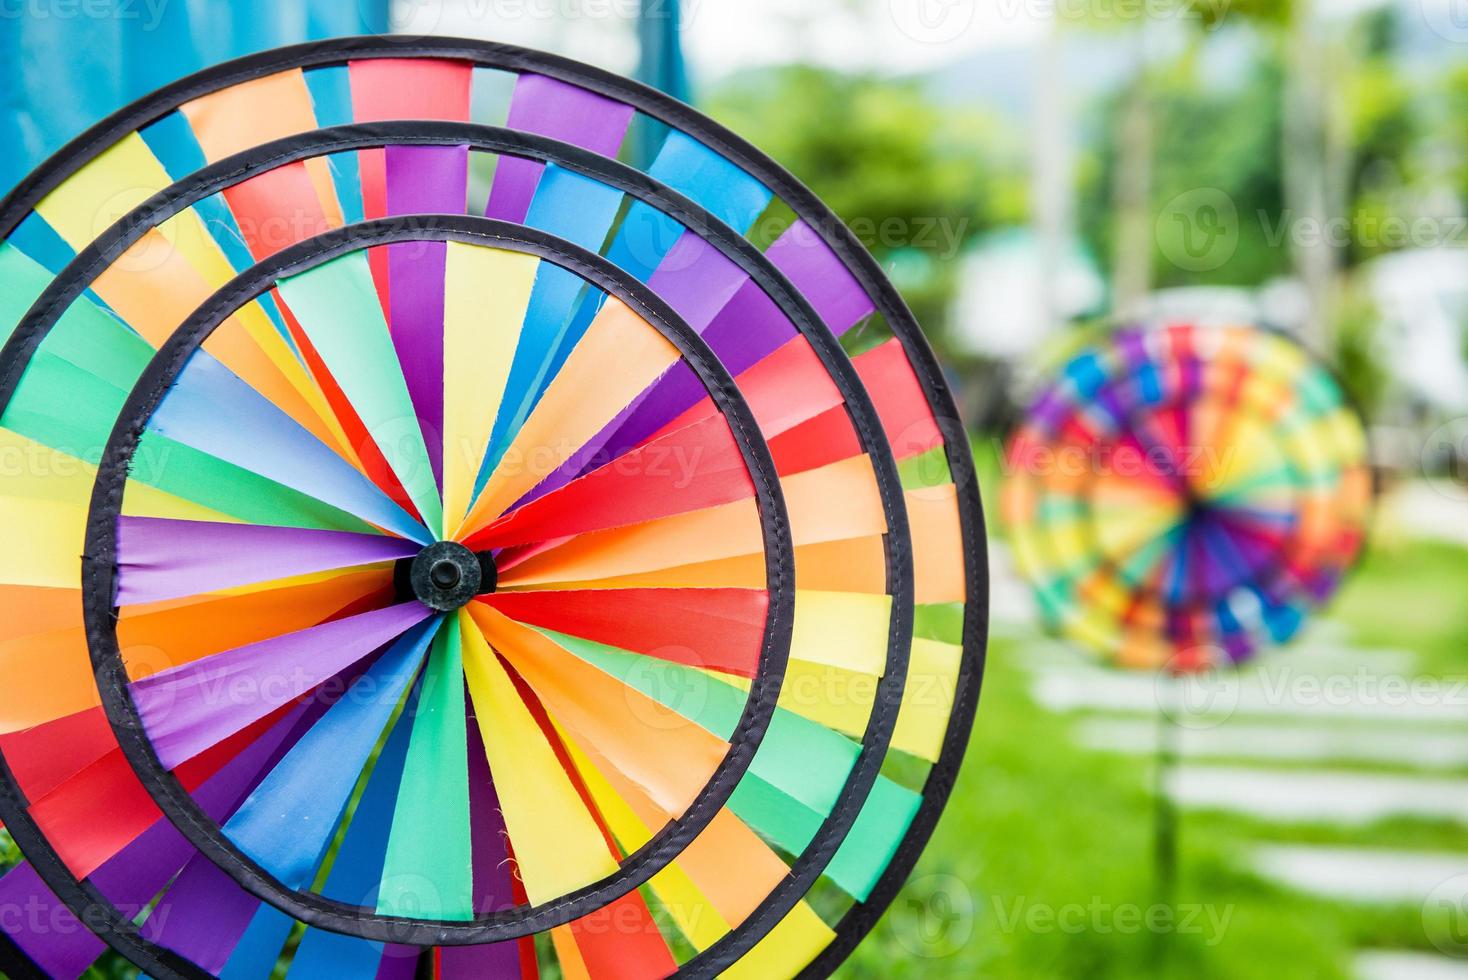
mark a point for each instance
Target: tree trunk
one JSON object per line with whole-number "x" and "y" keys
{"x": 1132, "y": 193}
{"x": 1053, "y": 182}
{"x": 1311, "y": 168}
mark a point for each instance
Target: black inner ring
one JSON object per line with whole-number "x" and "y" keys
{"x": 100, "y": 584}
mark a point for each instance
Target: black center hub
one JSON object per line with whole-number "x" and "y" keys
{"x": 446, "y": 575}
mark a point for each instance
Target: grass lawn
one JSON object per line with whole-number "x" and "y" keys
{"x": 1042, "y": 865}
{"x": 1412, "y": 596}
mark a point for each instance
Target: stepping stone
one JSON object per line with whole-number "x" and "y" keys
{"x": 1425, "y": 511}
{"x": 1318, "y": 796}
{"x": 1366, "y": 875}
{"x": 1284, "y": 743}
{"x": 1298, "y": 695}
{"x": 1388, "y": 965}
{"x": 1011, "y": 602}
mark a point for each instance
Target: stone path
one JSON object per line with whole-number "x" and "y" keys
{"x": 1429, "y": 749}
{"x": 1319, "y": 796}
{"x": 1386, "y": 965}
{"x": 1429, "y": 510}
{"x": 1321, "y": 733}
{"x": 1299, "y": 690}
{"x": 1367, "y": 875}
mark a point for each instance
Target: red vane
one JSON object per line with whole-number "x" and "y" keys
{"x": 690, "y": 469}
{"x": 717, "y": 629}
{"x": 622, "y": 940}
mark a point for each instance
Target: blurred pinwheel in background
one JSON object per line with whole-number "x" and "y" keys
{"x": 1184, "y": 494}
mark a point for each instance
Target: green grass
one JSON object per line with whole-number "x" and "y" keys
{"x": 1041, "y": 826}
{"x": 1411, "y": 596}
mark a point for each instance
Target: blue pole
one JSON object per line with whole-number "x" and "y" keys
{"x": 660, "y": 33}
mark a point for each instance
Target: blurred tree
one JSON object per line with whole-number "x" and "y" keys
{"x": 1455, "y": 135}
{"x": 1300, "y": 169}
{"x": 1385, "y": 133}
{"x": 1132, "y": 140}
{"x": 1214, "y": 149}
{"x": 914, "y": 180}
{"x": 1206, "y": 16}
{"x": 1455, "y": 129}
{"x": 1311, "y": 161}
{"x": 1358, "y": 360}
{"x": 1132, "y": 177}
{"x": 1131, "y": 186}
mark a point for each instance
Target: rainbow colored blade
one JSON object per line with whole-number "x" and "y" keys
{"x": 484, "y": 540}
{"x": 1186, "y": 494}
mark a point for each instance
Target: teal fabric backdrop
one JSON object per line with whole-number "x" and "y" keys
{"x": 64, "y": 64}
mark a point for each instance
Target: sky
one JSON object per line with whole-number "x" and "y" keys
{"x": 724, "y": 36}
{"x": 886, "y": 35}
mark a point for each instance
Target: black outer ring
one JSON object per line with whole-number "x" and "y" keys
{"x": 864, "y": 419}
{"x": 100, "y": 583}
{"x": 860, "y": 920}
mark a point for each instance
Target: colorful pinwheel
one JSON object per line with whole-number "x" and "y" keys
{"x": 1185, "y": 494}
{"x": 482, "y": 540}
